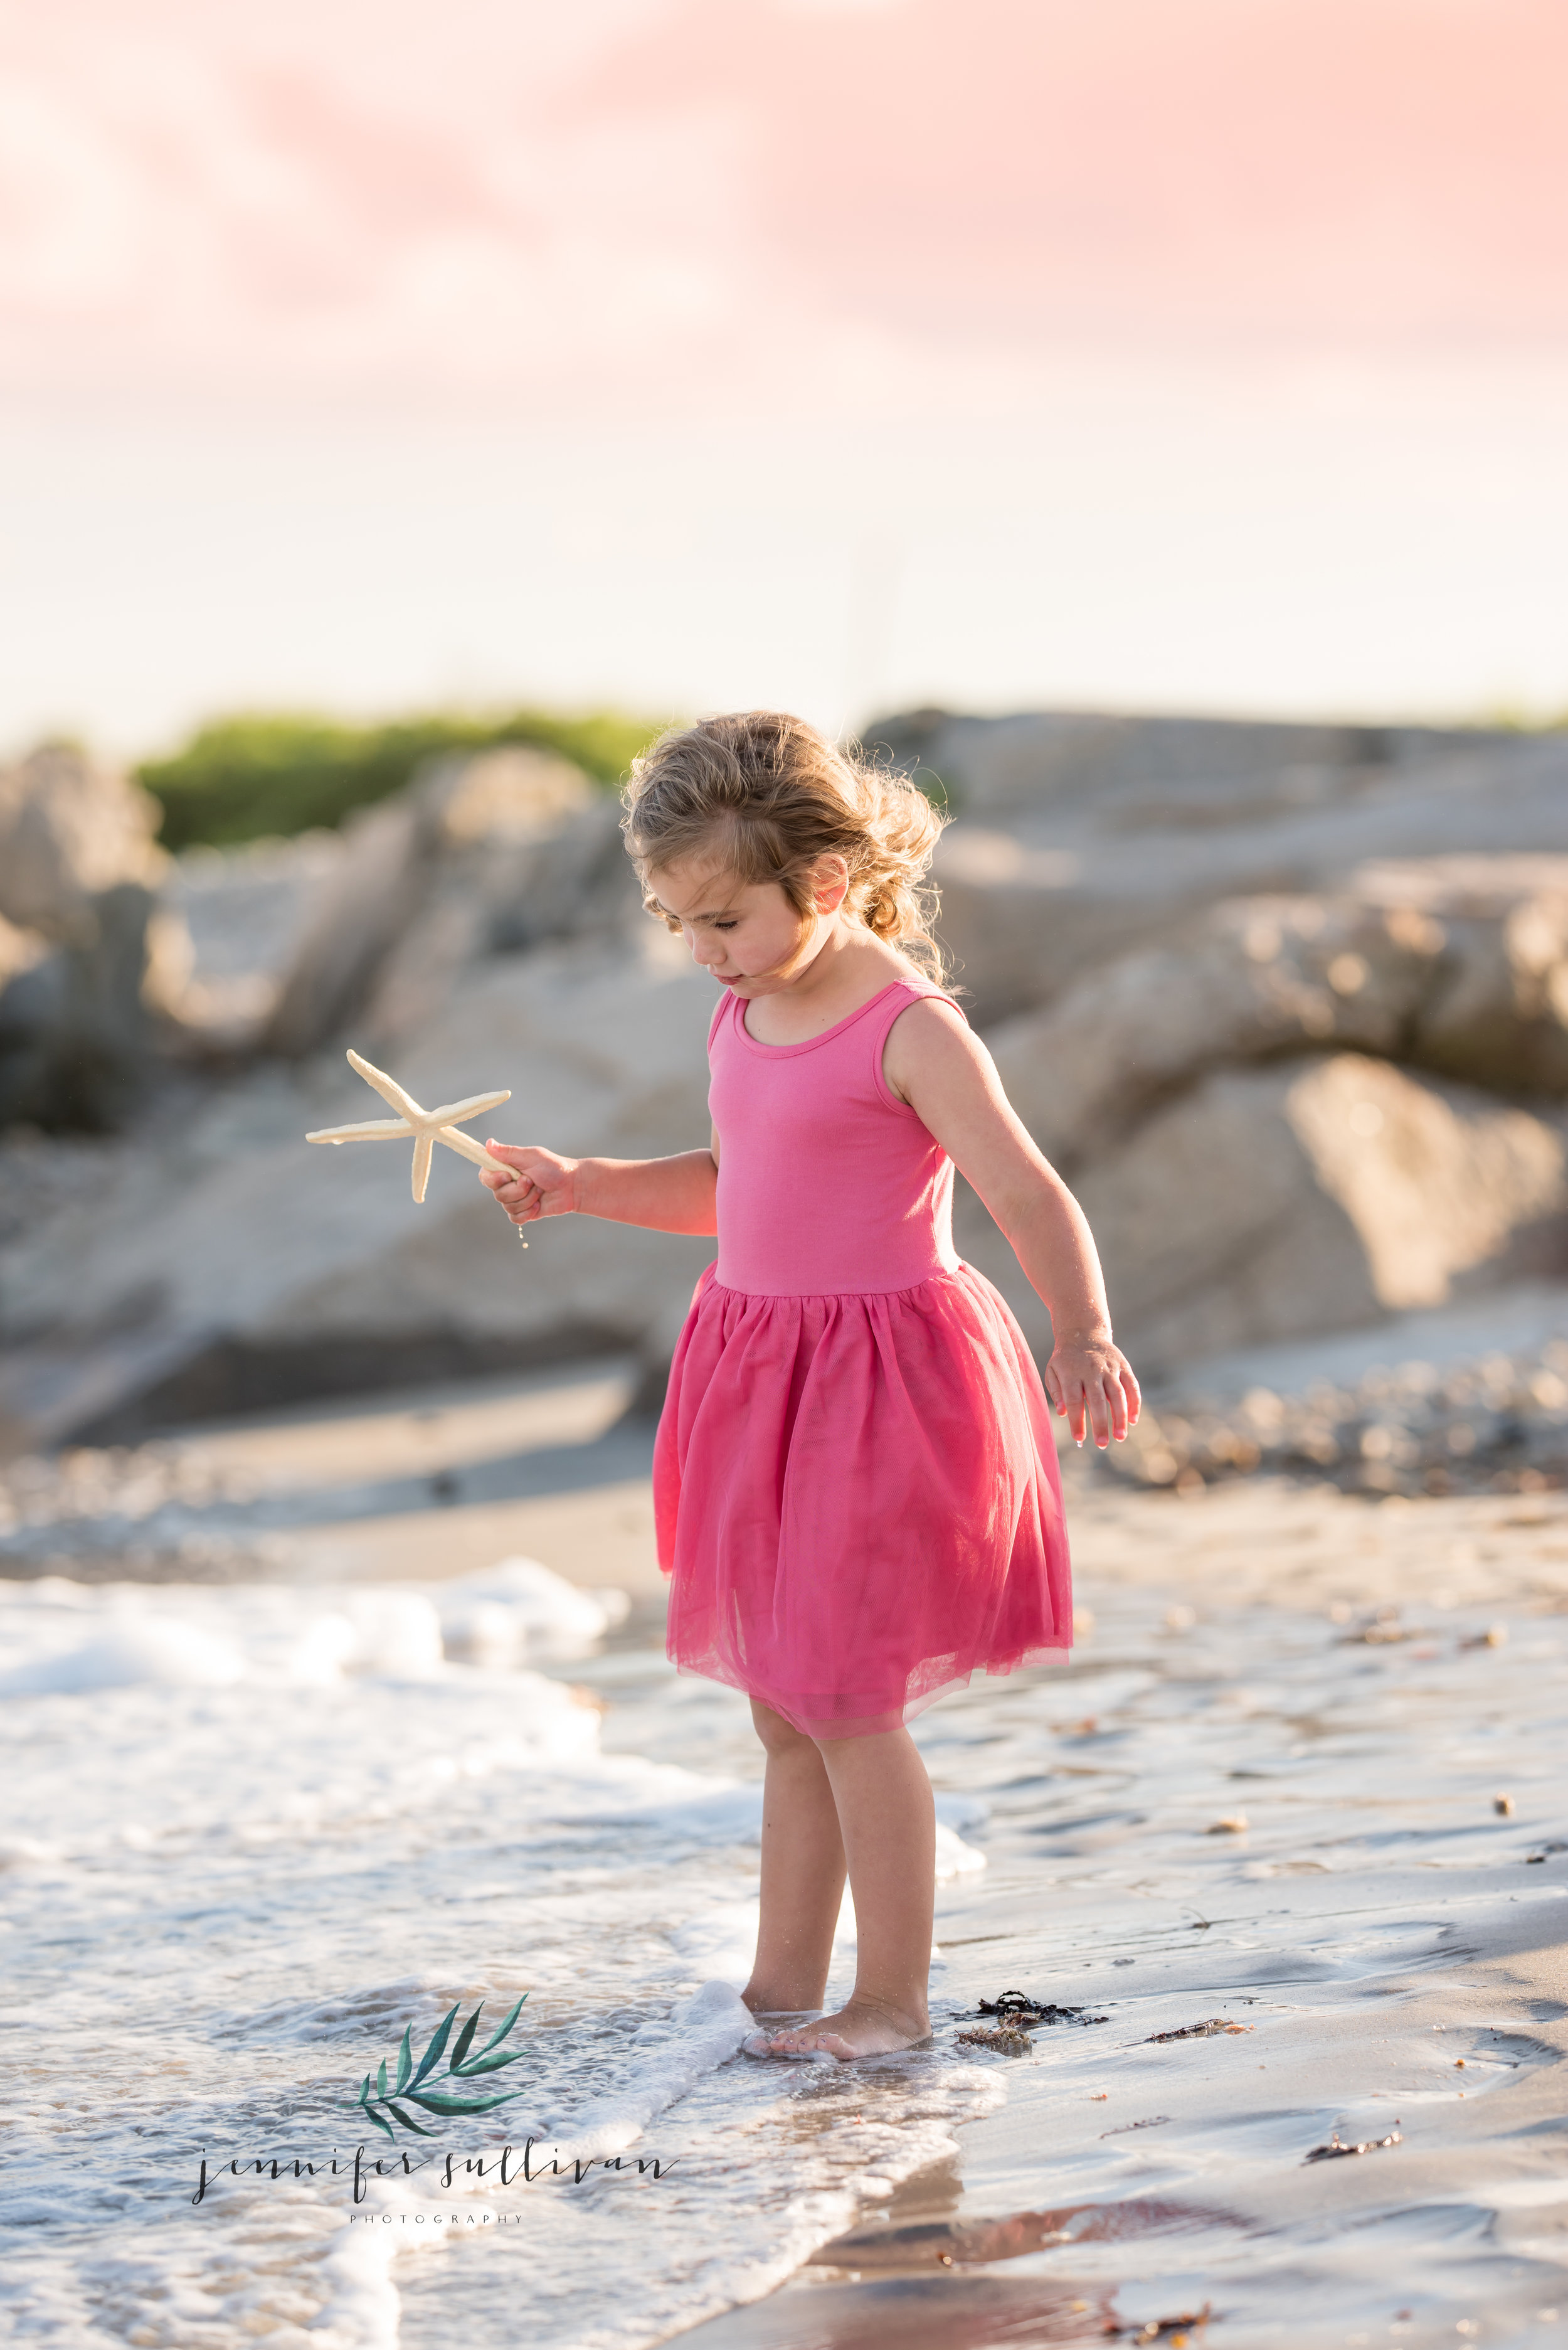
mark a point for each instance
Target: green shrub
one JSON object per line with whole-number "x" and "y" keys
{"x": 242, "y": 777}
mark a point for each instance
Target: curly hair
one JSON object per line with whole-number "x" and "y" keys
{"x": 768, "y": 795}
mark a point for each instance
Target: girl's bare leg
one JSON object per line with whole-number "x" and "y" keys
{"x": 802, "y": 1872}
{"x": 886, "y": 1820}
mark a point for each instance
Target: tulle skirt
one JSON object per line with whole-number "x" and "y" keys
{"x": 858, "y": 1500}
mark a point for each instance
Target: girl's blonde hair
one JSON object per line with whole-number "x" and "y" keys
{"x": 768, "y": 795}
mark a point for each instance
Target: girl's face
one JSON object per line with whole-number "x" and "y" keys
{"x": 747, "y": 933}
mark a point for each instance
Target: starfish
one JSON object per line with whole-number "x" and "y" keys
{"x": 428, "y": 1126}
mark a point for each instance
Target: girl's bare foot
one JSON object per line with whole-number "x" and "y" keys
{"x": 857, "y": 2030}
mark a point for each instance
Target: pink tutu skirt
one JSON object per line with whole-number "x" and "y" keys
{"x": 857, "y": 1499}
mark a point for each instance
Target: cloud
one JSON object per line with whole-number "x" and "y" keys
{"x": 648, "y": 201}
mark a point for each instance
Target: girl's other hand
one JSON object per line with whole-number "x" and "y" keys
{"x": 1093, "y": 1383}
{"x": 540, "y": 1184}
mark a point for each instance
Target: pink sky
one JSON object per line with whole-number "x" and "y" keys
{"x": 832, "y": 353}
{"x": 648, "y": 201}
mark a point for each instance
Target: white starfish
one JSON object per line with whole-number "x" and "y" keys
{"x": 428, "y": 1126}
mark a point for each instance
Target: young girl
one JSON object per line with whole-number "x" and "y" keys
{"x": 855, "y": 1484}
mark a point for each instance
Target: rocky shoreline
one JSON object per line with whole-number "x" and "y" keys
{"x": 1288, "y": 1004}
{"x": 1498, "y": 1423}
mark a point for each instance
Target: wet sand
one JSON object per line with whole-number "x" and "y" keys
{"x": 441, "y": 1479}
{"x": 1301, "y": 1786}
{"x": 1312, "y": 1801}
{"x": 430, "y": 1481}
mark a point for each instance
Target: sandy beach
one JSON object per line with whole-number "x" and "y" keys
{"x": 1288, "y": 1833}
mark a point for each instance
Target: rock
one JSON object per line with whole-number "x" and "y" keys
{"x": 69, "y": 830}
{"x": 483, "y": 855}
{"x": 42, "y": 1173}
{"x": 516, "y": 794}
{"x": 245, "y": 912}
{"x": 1043, "y": 880}
{"x": 1498, "y": 1013}
{"x": 373, "y": 895}
{"x": 501, "y": 891}
{"x": 1019, "y": 922}
{"x": 1133, "y": 773}
{"x": 84, "y": 947}
{"x": 20, "y": 952}
{"x": 1256, "y": 979}
{"x": 77, "y": 1026}
{"x": 1456, "y": 964}
{"x": 230, "y": 1264}
{"x": 1454, "y": 1401}
{"x": 1314, "y": 1196}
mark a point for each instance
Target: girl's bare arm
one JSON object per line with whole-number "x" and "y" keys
{"x": 666, "y": 1195}
{"x": 935, "y": 1062}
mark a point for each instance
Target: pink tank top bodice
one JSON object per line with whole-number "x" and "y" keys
{"x": 828, "y": 1181}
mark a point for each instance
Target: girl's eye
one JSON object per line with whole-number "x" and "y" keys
{"x": 724, "y": 926}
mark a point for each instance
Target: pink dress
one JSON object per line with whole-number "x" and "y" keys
{"x": 854, "y": 1485}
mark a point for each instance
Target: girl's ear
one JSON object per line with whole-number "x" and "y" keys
{"x": 829, "y": 883}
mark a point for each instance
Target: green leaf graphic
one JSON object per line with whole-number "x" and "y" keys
{"x": 464, "y": 2042}
{"x": 501, "y": 2031}
{"x": 432, "y": 2054}
{"x": 434, "y": 2105}
{"x": 488, "y": 2063}
{"x": 489, "y": 2059}
{"x": 408, "y": 2121}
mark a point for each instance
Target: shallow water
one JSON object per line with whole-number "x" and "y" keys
{"x": 262, "y": 1829}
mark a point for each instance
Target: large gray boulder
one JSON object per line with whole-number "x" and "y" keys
{"x": 1129, "y": 774}
{"x": 1456, "y": 964}
{"x": 71, "y": 829}
{"x": 373, "y": 895}
{"x": 230, "y": 1264}
{"x": 1315, "y": 1195}
{"x": 20, "y": 952}
{"x": 1044, "y": 879}
{"x": 1498, "y": 1012}
{"x": 1255, "y": 979}
{"x": 483, "y": 855}
{"x": 80, "y": 1024}
{"x": 86, "y": 951}
{"x": 244, "y": 913}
